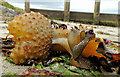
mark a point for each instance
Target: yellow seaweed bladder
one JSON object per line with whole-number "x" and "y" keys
{"x": 32, "y": 36}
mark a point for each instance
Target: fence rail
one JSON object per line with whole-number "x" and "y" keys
{"x": 77, "y": 15}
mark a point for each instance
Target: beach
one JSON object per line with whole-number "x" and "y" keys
{"x": 6, "y": 67}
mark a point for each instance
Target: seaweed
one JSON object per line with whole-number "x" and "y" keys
{"x": 10, "y": 73}
{"x": 8, "y": 59}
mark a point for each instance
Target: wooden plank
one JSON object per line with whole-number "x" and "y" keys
{"x": 0, "y": 12}
{"x": 67, "y": 10}
{"x": 118, "y": 21}
{"x": 97, "y": 12}
{"x": 27, "y": 6}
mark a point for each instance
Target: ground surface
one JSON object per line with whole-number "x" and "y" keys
{"x": 8, "y": 67}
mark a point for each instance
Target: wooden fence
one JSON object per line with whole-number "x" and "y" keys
{"x": 67, "y": 15}
{"x": 77, "y": 15}
{"x": 67, "y": 9}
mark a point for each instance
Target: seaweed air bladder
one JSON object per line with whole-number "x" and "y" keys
{"x": 32, "y": 36}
